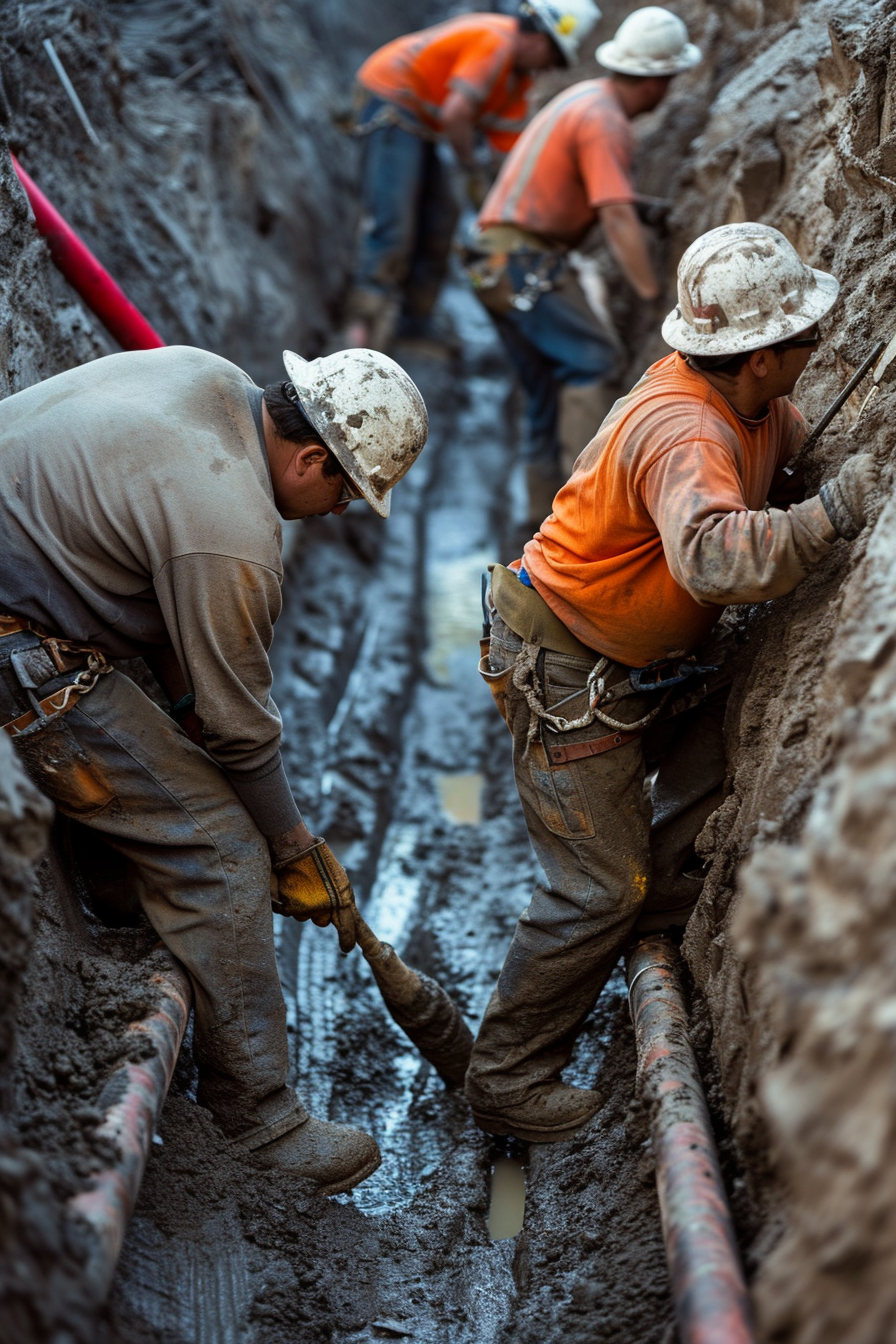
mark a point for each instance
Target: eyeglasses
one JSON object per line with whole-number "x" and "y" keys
{"x": 801, "y": 342}
{"x": 349, "y": 492}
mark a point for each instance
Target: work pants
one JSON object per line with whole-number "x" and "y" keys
{"x": 558, "y": 342}
{"x": 616, "y": 861}
{"x": 200, "y": 868}
{"x": 409, "y": 217}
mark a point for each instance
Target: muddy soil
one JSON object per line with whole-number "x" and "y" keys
{"x": 220, "y": 202}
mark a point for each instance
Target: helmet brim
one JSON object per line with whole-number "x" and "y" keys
{"x": 819, "y": 301}
{"x": 329, "y": 432}
{"x": 611, "y": 57}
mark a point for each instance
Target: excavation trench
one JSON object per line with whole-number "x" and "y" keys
{"x": 406, "y": 767}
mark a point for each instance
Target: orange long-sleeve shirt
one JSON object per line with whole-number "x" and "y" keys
{"x": 662, "y": 523}
{"x": 574, "y": 157}
{"x": 474, "y": 55}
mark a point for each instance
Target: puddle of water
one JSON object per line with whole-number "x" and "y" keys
{"x": 462, "y": 797}
{"x": 508, "y": 1202}
{"x": 454, "y": 614}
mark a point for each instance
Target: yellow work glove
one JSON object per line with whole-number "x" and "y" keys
{"x": 314, "y": 885}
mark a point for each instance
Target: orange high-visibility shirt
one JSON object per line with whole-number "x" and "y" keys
{"x": 662, "y": 523}
{"x": 572, "y": 158}
{"x": 473, "y": 55}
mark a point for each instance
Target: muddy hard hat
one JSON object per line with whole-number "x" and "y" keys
{"x": 651, "y": 41}
{"x": 368, "y": 412}
{"x": 565, "y": 21}
{"x": 744, "y": 287}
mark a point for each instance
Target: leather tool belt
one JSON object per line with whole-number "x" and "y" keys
{"x": 44, "y": 661}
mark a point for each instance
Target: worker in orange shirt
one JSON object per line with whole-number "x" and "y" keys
{"x": 677, "y": 508}
{"x": 445, "y": 85}
{"x": 572, "y": 167}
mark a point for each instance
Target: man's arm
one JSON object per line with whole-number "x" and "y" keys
{"x": 458, "y": 118}
{"x": 627, "y": 241}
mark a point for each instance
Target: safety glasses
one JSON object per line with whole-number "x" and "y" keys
{"x": 801, "y": 342}
{"x": 349, "y": 492}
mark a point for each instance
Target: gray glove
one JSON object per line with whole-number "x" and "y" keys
{"x": 846, "y": 497}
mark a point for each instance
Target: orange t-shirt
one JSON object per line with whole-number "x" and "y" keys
{"x": 663, "y": 523}
{"x": 572, "y": 158}
{"x": 473, "y": 55}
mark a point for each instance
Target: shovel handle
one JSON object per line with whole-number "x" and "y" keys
{"x": 840, "y": 400}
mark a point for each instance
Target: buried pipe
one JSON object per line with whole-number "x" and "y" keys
{"x": 711, "y": 1301}
{"x": 85, "y": 274}
{"x": 136, "y": 1093}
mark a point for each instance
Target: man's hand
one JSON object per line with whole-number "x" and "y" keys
{"x": 846, "y": 497}
{"x": 628, "y": 243}
{"x": 312, "y": 884}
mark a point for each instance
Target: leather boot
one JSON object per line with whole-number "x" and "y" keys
{"x": 553, "y": 1111}
{"x": 335, "y": 1157}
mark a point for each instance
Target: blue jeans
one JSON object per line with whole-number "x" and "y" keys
{"x": 558, "y": 341}
{"x": 409, "y": 217}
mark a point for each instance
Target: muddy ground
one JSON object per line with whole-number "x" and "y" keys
{"x": 224, "y": 202}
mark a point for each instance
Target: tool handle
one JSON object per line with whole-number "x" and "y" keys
{"x": 839, "y": 401}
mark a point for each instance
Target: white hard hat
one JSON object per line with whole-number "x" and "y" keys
{"x": 368, "y": 412}
{"x": 565, "y": 21}
{"x": 744, "y": 287}
{"x": 650, "y": 41}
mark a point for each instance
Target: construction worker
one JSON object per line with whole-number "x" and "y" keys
{"x": 442, "y": 86}
{"x": 571, "y": 167}
{"x": 677, "y": 508}
{"x": 140, "y": 506}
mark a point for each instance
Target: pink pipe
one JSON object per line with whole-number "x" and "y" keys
{"x": 85, "y": 274}
{"x": 130, "y": 1122}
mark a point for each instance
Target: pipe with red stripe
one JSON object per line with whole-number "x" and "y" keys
{"x": 711, "y": 1301}
{"x": 85, "y": 274}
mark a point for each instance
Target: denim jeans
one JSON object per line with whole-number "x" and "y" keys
{"x": 615, "y": 859}
{"x": 200, "y": 867}
{"x": 558, "y": 341}
{"x": 409, "y": 216}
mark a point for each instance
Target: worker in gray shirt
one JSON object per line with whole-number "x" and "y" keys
{"x": 140, "y": 506}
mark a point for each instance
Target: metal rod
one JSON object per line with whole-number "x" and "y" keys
{"x": 72, "y": 95}
{"x": 130, "y": 1124}
{"x": 711, "y": 1301}
{"x": 842, "y": 397}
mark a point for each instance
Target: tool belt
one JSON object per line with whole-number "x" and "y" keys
{"x": 36, "y": 661}
{"x": 486, "y": 260}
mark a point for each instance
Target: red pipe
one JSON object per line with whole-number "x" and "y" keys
{"x": 85, "y": 274}
{"x": 711, "y": 1301}
{"x": 130, "y": 1122}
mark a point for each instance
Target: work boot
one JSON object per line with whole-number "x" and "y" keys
{"x": 551, "y": 1113}
{"x": 335, "y": 1157}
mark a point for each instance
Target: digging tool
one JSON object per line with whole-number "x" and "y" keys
{"x": 881, "y": 358}
{"x": 884, "y": 372}
{"x": 420, "y": 1006}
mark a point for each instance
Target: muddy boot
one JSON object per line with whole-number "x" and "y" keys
{"x": 335, "y": 1157}
{"x": 542, "y": 484}
{"x": 552, "y": 1112}
{"x": 582, "y": 409}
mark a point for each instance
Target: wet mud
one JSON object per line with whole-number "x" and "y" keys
{"x": 225, "y": 204}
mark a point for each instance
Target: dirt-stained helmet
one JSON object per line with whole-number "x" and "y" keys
{"x": 650, "y": 41}
{"x": 368, "y": 412}
{"x": 744, "y": 287}
{"x": 566, "y": 22}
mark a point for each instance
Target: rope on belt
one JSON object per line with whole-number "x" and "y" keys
{"x": 525, "y": 679}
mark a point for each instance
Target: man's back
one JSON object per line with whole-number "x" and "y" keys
{"x": 573, "y": 158}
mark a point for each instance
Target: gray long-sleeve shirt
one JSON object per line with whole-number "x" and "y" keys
{"x": 136, "y": 510}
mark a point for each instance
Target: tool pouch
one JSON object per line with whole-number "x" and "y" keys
{"x": 497, "y": 682}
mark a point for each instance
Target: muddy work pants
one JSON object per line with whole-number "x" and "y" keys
{"x": 555, "y": 345}
{"x": 408, "y": 221}
{"x": 615, "y": 860}
{"x": 200, "y": 867}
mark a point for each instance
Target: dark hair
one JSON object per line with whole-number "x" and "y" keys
{"x": 291, "y": 422}
{"x": 729, "y": 364}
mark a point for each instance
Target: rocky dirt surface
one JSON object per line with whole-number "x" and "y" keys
{"x": 224, "y": 202}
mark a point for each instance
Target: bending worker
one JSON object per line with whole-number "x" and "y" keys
{"x": 443, "y": 85}
{"x": 676, "y": 509}
{"x": 140, "y": 506}
{"x": 572, "y": 167}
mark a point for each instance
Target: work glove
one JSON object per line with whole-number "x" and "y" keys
{"x": 846, "y": 497}
{"x": 312, "y": 884}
